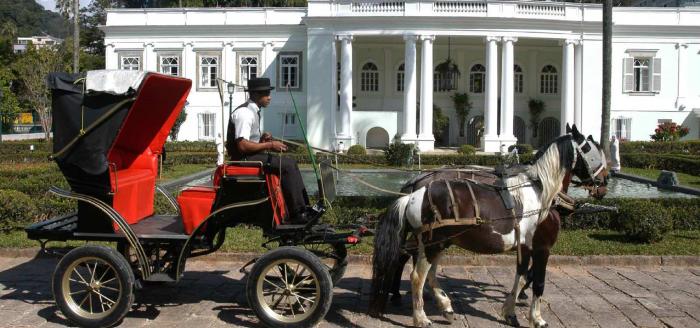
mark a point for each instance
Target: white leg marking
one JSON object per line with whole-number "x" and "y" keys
{"x": 440, "y": 296}
{"x": 508, "y": 309}
{"x": 418, "y": 276}
{"x": 536, "y": 320}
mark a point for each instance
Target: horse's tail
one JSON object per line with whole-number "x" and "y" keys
{"x": 387, "y": 248}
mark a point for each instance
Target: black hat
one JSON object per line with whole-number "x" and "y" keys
{"x": 259, "y": 84}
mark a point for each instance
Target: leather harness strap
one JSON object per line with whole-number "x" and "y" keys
{"x": 453, "y": 205}
{"x": 477, "y": 212}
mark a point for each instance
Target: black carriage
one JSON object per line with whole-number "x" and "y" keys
{"x": 109, "y": 146}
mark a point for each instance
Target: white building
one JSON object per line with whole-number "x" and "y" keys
{"x": 363, "y": 71}
{"x": 38, "y": 41}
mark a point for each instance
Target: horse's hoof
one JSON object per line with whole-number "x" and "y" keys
{"x": 512, "y": 320}
{"x": 522, "y": 295}
{"x": 542, "y": 324}
{"x": 449, "y": 315}
{"x": 396, "y": 300}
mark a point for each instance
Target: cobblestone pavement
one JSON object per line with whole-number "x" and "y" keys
{"x": 212, "y": 294}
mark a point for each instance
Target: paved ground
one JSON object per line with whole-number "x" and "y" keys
{"x": 212, "y": 295}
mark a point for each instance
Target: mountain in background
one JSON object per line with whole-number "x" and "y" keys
{"x": 32, "y": 19}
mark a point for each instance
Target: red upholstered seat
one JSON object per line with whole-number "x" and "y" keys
{"x": 195, "y": 204}
{"x": 133, "y": 157}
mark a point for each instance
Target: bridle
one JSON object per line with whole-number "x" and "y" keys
{"x": 594, "y": 162}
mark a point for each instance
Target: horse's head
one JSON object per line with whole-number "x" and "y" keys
{"x": 590, "y": 165}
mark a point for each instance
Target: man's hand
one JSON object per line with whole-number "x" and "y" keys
{"x": 277, "y": 146}
{"x": 266, "y": 137}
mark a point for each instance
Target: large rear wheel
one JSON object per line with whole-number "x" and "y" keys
{"x": 289, "y": 287}
{"x": 93, "y": 286}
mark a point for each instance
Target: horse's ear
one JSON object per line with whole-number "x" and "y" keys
{"x": 574, "y": 131}
{"x": 568, "y": 128}
{"x": 590, "y": 137}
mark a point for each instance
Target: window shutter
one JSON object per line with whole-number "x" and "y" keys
{"x": 656, "y": 79}
{"x": 628, "y": 75}
{"x": 200, "y": 126}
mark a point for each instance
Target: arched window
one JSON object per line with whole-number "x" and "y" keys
{"x": 476, "y": 78}
{"x": 369, "y": 77}
{"x": 518, "y": 79}
{"x": 548, "y": 80}
{"x": 400, "y": 78}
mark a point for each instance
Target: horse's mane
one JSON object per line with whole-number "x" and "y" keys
{"x": 548, "y": 167}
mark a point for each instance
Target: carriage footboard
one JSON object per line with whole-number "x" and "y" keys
{"x": 57, "y": 229}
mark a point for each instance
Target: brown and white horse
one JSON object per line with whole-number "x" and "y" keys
{"x": 533, "y": 192}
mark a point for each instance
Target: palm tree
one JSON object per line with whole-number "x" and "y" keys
{"x": 69, "y": 8}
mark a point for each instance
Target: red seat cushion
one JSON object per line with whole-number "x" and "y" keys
{"x": 233, "y": 170}
{"x": 195, "y": 205}
{"x": 134, "y": 194}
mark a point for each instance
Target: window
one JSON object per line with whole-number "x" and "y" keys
{"x": 289, "y": 70}
{"x": 207, "y": 126}
{"x": 622, "y": 128}
{"x": 549, "y": 80}
{"x": 642, "y": 73}
{"x": 476, "y": 78}
{"x": 518, "y": 79}
{"x": 400, "y": 78}
{"x": 369, "y": 78}
{"x": 441, "y": 82}
{"x": 248, "y": 68}
{"x": 130, "y": 63}
{"x": 208, "y": 71}
{"x": 170, "y": 65}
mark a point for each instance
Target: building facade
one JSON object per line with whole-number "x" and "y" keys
{"x": 364, "y": 72}
{"x": 37, "y": 41}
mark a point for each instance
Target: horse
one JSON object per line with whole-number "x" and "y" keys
{"x": 492, "y": 227}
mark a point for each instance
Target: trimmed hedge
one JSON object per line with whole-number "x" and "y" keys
{"x": 466, "y": 150}
{"x": 691, "y": 147}
{"x": 16, "y": 208}
{"x": 190, "y": 146}
{"x": 357, "y": 150}
{"x": 672, "y": 162}
{"x": 22, "y": 147}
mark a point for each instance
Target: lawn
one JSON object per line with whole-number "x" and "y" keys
{"x": 571, "y": 242}
{"x": 684, "y": 179}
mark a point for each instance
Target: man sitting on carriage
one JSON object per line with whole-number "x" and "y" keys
{"x": 245, "y": 142}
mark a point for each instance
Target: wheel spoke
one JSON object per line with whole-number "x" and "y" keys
{"x": 286, "y": 277}
{"x": 303, "y": 309}
{"x": 110, "y": 288}
{"x": 105, "y": 297}
{"x": 271, "y": 283}
{"x": 84, "y": 299}
{"x": 303, "y": 281}
{"x": 102, "y": 304}
{"x": 110, "y": 280}
{"x": 80, "y": 282}
{"x": 90, "y": 296}
{"x": 78, "y": 292}
{"x": 291, "y": 307}
{"x": 104, "y": 274}
{"x": 81, "y": 276}
{"x": 305, "y": 298}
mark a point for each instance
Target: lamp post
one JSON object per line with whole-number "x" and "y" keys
{"x": 231, "y": 88}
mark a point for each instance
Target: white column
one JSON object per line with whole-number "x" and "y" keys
{"x": 149, "y": 60}
{"x": 682, "y": 75}
{"x": 578, "y": 84}
{"x": 506, "y": 136}
{"x": 490, "y": 142}
{"x": 426, "y": 139}
{"x": 567, "y": 84}
{"x": 334, "y": 88}
{"x": 409, "y": 99}
{"x": 345, "y": 132}
{"x": 229, "y": 63}
{"x": 111, "y": 58}
{"x": 189, "y": 64}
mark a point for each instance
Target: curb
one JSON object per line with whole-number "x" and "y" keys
{"x": 449, "y": 260}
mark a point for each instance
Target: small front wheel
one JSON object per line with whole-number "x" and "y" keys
{"x": 289, "y": 287}
{"x": 93, "y": 286}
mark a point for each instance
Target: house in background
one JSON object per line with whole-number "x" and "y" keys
{"x": 38, "y": 41}
{"x": 363, "y": 71}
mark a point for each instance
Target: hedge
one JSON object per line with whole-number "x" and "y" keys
{"x": 22, "y": 147}
{"x": 691, "y": 147}
{"x": 673, "y": 162}
{"x": 190, "y": 146}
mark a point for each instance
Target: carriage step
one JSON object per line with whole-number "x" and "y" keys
{"x": 160, "y": 277}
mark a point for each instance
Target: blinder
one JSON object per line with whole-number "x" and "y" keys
{"x": 594, "y": 161}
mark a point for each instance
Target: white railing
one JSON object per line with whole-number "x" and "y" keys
{"x": 369, "y": 6}
{"x": 532, "y": 9}
{"x": 459, "y": 7}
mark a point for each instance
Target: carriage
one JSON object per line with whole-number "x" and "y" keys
{"x": 109, "y": 133}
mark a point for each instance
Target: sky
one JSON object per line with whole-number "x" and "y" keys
{"x": 51, "y": 4}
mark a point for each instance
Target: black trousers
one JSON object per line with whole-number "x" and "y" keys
{"x": 293, "y": 189}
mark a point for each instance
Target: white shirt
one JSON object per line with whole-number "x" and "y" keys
{"x": 246, "y": 120}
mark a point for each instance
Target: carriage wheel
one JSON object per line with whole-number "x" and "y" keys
{"x": 333, "y": 256}
{"x": 289, "y": 287}
{"x": 93, "y": 286}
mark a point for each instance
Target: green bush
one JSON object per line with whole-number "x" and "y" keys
{"x": 399, "y": 154}
{"x": 644, "y": 221}
{"x": 466, "y": 150}
{"x": 190, "y": 146}
{"x": 691, "y": 147}
{"x": 357, "y": 150}
{"x": 22, "y": 147}
{"x": 522, "y": 148}
{"x": 673, "y": 162}
{"x": 16, "y": 208}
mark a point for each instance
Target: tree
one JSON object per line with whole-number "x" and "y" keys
{"x": 462, "y": 107}
{"x": 607, "y": 77}
{"x": 31, "y": 70}
{"x": 71, "y": 8}
{"x": 8, "y": 33}
{"x": 9, "y": 105}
